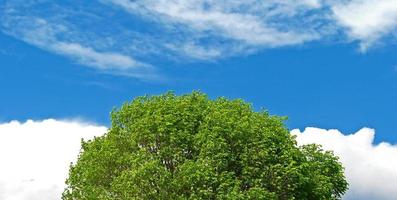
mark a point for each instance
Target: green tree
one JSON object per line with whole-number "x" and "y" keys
{"x": 191, "y": 147}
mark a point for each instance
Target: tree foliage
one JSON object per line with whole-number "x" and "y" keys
{"x": 191, "y": 147}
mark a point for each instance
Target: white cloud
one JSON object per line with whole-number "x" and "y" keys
{"x": 245, "y": 21}
{"x": 35, "y": 156}
{"x": 99, "y": 34}
{"x": 186, "y": 30}
{"x": 274, "y": 23}
{"x": 48, "y": 35}
{"x": 367, "y": 20}
{"x": 101, "y": 60}
{"x": 195, "y": 51}
{"x": 371, "y": 169}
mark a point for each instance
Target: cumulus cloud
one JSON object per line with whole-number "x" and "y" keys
{"x": 371, "y": 169}
{"x": 35, "y": 156}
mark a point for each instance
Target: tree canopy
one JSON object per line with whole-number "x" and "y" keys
{"x": 192, "y": 147}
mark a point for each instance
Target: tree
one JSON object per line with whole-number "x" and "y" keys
{"x": 191, "y": 147}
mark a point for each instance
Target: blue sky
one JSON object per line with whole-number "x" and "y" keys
{"x": 328, "y": 82}
{"x": 316, "y": 84}
{"x": 325, "y": 64}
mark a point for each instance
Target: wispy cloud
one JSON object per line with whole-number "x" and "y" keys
{"x": 51, "y": 36}
{"x": 252, "y": 23}
{"x": 91, "y": 57}
{"x": 367, "y": 20}
{"x": 130, "y": 37}
{"x": 268, "y": 24}
{"x": 371, "y": 169}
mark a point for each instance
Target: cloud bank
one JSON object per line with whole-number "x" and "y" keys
{"x": 123, "y": 36}
{"x": 36, "y": 157}
{"x": 371, "y": 169}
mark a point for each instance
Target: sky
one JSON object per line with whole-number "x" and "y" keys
{"x": 330, "y": 66}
